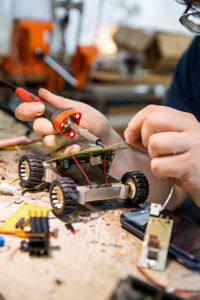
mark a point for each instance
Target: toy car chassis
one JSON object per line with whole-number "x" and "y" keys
{"x": 82, "y": 177}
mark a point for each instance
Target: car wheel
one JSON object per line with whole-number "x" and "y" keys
{"x": 138, "y": 187}
{"x": 63, "y": 196}
{"x": 30, "y": 170}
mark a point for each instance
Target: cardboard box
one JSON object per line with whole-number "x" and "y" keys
{"x": 158, "y": 51}
{"x": 165, "y": 50}
{"x": 133, "y": 40}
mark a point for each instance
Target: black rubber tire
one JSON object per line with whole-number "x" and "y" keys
{"x": 141, "y": 186}
{"x": 68, "y": 196}
{"x": 33, "y": 176}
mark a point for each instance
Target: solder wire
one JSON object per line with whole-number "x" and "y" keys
{"x": 168, "y": 199}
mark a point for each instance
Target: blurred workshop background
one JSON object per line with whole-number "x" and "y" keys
{"x": 117, "y": 55}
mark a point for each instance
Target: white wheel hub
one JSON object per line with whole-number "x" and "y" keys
{"x": 57, "y": 197}
{"x": 25, "y": 170}
{"x": 132, "y": 188}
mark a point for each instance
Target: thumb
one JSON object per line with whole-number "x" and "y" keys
{"x": 53, "y": 99}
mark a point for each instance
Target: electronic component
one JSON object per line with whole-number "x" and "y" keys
{"x": 37, "y": 245}
{"x": 156, "y": 243}
{"x": 1, "y": 241}
{"x": 155, "y": 209}
{"x": 153, "y": 241}
{"x": 70, "y": 227}
{"x": 19, "y": 223}
{"x": 152, "y": 255}
{"x": 9, "y": 226}
{"x": 133, "y": 288}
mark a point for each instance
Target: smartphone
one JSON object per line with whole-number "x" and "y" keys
{"x": 185, "y": 239}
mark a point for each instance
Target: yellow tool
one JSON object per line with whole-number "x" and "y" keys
{"x": 24, "y": 211}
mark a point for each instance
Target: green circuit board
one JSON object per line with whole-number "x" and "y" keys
{"x": 86, "y": 153}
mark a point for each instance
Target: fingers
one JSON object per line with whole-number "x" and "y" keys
{"x": 67, "y": 150}
{"x": 55, "y": 100}
{"x": 54, "y": 142}
{"x": 160, "y": 121}
{"x": 29, "y": 111}
{"x": 133, "y": 131}
{"x": 58, "y": 145}
{"x": 43, "y": 127}
{"x": 168, "y": 143}
{"x": 153, "y": 119}
{"x": 174, "y": 166}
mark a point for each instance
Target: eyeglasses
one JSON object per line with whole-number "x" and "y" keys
{"x": 191, "y": 16}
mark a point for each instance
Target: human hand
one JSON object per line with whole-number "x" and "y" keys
{"x": 91, "y": 119}
{"x": 172, "y": 139}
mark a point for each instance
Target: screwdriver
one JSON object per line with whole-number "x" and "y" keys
{"x": 65, "y": 121}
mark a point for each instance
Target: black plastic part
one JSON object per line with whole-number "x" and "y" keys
{"x": 153, "y": 254}
{"x": 25, "y": 223}
{"x": 141, "y": 186}
{"x": 36, "y": 170}
{"x": 8, "y": 108}
{"x": 38, "y": 246}
{"x": 132, "y": 288}
{"x": 19, "y": 223}
{"x": 69, "y": 193}
{"x": 8, "y": 84}
{"x": 50, "y": 110}
{"x": 39, "y": 53}
{"x": 24, "y": 246}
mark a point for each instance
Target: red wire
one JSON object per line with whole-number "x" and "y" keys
{"x": 176, "y": 291}
{"x": 151, "y": 278}
{"x": 3, "y": 167}
{"x": 104, "y": 169}
{"x": 88, "y": 180}
{"x": 14, "y": 252}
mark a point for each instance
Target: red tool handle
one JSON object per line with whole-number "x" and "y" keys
{"x": 26, "y": 96}
{"x": 52, "y": 113}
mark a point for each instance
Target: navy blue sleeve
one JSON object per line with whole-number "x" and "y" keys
{"x": 184, "y": 91}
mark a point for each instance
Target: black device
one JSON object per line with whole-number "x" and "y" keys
{"x": 185, "y": 239}
{"x": 133, "y": 288}
{"x": 37, "y": 245}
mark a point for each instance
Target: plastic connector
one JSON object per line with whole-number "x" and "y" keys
{"x": 2, "y": 241}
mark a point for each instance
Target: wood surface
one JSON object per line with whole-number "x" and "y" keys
{"x": 89, "y": 263}
{"x": 114, "y": 77}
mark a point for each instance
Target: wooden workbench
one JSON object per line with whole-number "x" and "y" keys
{"x": 88, "y": 264}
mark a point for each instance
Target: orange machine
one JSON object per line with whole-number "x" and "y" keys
{"x": 81, "y": 63}
{"x": 26, "y": 36}
{"x": 30, "y": 35}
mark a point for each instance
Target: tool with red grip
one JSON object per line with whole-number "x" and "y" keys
{"x": 65, "y": 121}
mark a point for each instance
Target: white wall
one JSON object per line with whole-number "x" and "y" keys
{"x": 157, "y": 14}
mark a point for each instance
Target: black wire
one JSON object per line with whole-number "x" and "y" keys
{"x": 7, "y": 84}
{"x": 7, "y": 109}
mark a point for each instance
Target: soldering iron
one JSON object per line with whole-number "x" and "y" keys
{"x": 65, "y": 121}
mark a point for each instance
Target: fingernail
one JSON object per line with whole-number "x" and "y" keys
{"x": 40, "y": 108}
{"x": 126, "y": 134}
{"x": 45, "y": 91}
{"x": 149, "y": 149}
